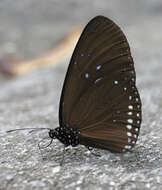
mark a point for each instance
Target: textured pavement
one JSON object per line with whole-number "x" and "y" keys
{"x": 30, "y": 27}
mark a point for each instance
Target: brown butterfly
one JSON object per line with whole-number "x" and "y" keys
{"x": 100, "y": 105}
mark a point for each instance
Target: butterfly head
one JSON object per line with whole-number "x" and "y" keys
{"x": 52, "y": 133}
{"x": 65, "y": 135}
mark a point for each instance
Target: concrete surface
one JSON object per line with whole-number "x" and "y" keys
{"x": 30, "y": 27}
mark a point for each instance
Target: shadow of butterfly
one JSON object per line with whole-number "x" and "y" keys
{"x": 100, "y": 106}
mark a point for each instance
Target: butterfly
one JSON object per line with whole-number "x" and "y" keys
{"x": 100, "y": 106}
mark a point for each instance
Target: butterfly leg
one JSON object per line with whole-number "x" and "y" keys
{"x": 43, "y": 147}
{"x": 63, "y": 156}
{"x": 90, "y": 149}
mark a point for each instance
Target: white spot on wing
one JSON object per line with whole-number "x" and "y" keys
{"x": 130, "y": 120}
{"x": 98, "y": 67}
{"x": 130, "y": 113}
{"x": 129, "y": 140}
{"x": 130, "y": 97}
{"x": 129, "y": 134}
{"x": 136, "y": 129}
{"x": 129, "y": 127}
{"x": 130, "y": 107}
{"x": 86, "y": 75}
{"x": 97, "y": 80}
{"x": 115, "y": 82}
{"x": 138, "y": 114}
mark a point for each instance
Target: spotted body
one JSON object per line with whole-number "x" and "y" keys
{"x": 67, "y": 136}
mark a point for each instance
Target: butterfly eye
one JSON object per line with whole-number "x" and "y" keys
{"x": 52, "y": 133}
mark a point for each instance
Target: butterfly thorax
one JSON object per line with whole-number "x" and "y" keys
{"x": 67, "y": 136}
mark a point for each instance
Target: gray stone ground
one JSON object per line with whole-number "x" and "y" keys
{"x": 30, "y": 27}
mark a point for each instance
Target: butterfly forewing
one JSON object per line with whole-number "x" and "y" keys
{"x": 99, "y": 96}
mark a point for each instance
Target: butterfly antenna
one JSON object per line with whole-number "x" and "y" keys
{"x": 31, "y": 129}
